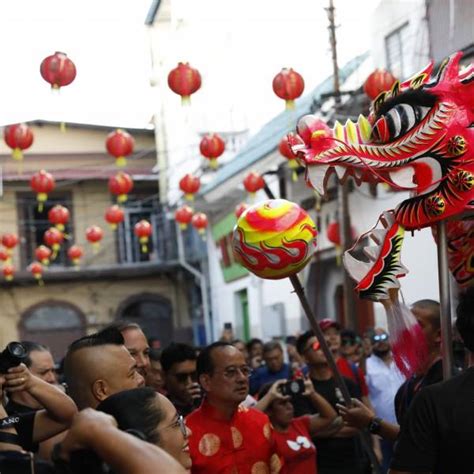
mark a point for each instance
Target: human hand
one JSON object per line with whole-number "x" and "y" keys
{"x": 194, "y": 391}
{"x": 357, "y": 416}
{"x": 275, "y": 391}
{"x": 308, "y": 388}
{"x": 18, "y": 378}
{"x": 82, "y": 430}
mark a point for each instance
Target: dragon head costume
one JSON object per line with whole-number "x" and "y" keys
{"x": 419, "y": 137}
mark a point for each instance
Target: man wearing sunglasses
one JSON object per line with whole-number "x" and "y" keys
{"x": 383, "y": 380}
{"x": 179, "y": 366}
{"x": 339, "y": 448}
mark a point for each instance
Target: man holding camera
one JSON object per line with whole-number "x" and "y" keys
{"x": 29, "y": 428}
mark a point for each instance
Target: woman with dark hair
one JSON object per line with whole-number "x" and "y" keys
{"x": 151, "y": 416}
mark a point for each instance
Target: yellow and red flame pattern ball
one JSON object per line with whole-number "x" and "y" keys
{"x": 274, "y": 239}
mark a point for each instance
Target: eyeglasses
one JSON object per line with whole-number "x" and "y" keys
{"x": 380, "y": 337}
{"x": 182, "y": 377}
{"x": 181, "y": 424}
{"x": 315, "y": 346}
{"x": 232, "y": 372}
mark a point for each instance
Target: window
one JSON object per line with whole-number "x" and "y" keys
{"x": 396, "y": 50}
{"x": 33, "y": 223}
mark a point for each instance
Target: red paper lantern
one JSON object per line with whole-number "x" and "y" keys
{"x": 59, "y": 216}
{"x": 18, "y": 137}
{"x": 94, "y": 235}
{"x": 379, "y": 81}
{"x": 9, "y": 241}
{"x": 42, "y": 183}
{"x": 288, "y": 85}
{"x": 184, "y": 81}
{"x": 53, "y": 238}
{"x": 120, "y": 144}
{"x": 253, "y": 182}
{"x": 190, "y": 185}
{"x": 143, "y": 231}
{"x": 120, "y": 185}
{"x": 334, "y": 234}
{"x": 58, "y": 70}
{"x": 114, "y": 216}
{"x": 183, "y": 216}
{"x": 4, "y": 257}
{"x": 200, "y": 222}
{"x": 285, "y": 150}
{"x": 43, "y": 254}
{"x": 8, "y": 272}
{"x": 240, "y": 209}
{"x": 75, "y": 253}
{"x": 36, "y": 269}
{"x": 211, "y": 147}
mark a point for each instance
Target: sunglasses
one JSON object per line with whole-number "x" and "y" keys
{"x": 182, "y": 377}
{"x": 315, "y": 346}
{"x": 380, "y": 337}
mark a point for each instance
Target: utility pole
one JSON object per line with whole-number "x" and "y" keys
{"x": 343, "y": 191}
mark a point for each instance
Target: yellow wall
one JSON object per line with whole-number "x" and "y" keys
{"x": 98, "y": 300}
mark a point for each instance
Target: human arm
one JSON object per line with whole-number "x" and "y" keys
{"x": 126, "y": 454}
{"x": 359, "y": 416}
{"x": 8, "y": 430}
{"x": 326, "y": 413}
{"x": 59, "y": 409}
{"x": 273, "y": 394}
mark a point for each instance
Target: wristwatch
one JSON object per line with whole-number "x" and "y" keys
{"x": 375, "y": 425}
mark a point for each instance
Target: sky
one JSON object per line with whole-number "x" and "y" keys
{"x": 109, "y": 43}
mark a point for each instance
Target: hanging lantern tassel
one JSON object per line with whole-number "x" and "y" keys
{"x": 41, "y": 198}
{"x": 293, "y": 164}
{"x": 338, "y": 255}
{"x": 95, "y": 247}
{"x": 62, "y": 127}
{"x": 121, "y": 161}
{"x": 55, "y": 248}
{"x": 39, "y": 278}
{"x": 202, "y": 233}
{"x": 144, "y": 244}
{"x": 121, "y": 198}
{"x": 17, "y": 154}
{"x": 189, "y": 197}
{"x": 318, "y": 201}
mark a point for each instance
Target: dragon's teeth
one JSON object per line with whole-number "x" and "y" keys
{"x": 340, "y": 171}
{"x": 356, "y": 268}
{"x": 372, "y": 252}
{"x": 316, "y": 175}
{"x": 378, "y": 235}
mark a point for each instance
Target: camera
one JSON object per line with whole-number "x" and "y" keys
{"x": 13, "y": 355}
{"x": 292, "y": 388}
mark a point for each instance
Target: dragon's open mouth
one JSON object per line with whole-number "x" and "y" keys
{"x": 408, "y": 163}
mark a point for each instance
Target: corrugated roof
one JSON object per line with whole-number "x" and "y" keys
{"x": 267, "y": 139}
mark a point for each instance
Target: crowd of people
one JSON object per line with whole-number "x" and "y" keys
{"x": 117, "y": 404}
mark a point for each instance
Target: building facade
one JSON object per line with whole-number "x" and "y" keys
{"x": 115, "y": 280}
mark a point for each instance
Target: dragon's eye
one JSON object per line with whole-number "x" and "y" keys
{"x": 397, "y": 121}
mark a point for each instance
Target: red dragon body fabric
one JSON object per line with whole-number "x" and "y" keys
{"x": 418, "y": 137}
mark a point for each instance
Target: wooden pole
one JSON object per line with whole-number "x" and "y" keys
{"x": 343, "y": 191}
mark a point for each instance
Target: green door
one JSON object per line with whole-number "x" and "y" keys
{"x": 244, "y": 311}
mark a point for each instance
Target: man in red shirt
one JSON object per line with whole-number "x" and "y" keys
{"x": 227, "y": 438}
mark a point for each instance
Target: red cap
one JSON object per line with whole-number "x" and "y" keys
{"x": 329, "y": 323}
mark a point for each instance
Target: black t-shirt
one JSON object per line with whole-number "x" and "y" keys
{"x": 334, "y": 452}
{"x": 438, "y": 434}
{"x": 25, "y": 426}
{"x": 412, "y": 386}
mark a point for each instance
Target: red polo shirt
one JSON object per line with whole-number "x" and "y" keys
{"x": 346, "y": 370}
{"x": 242, "y": 445}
